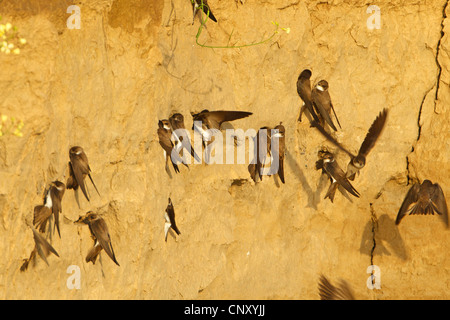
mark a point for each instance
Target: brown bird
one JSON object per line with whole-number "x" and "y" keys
{"x": 281, "y": 135}
{"x": 322, "y": 102}
{"x": 165, "y": 140}
{"x": 327, "y": 291}
{"x": 328, "y": 164}
{"x": 42, "y": 213}
{"x": 52, "y": 204}
{"x": 79, "y": 168}
{"x": 263, "y": 149}
{"x": 266, "y": 140}
{"x": 41, "y": 246}
{"x": 207, "y": 122}
{"x": 176, "y": 122}
{"x": 203, "y": 4}
{"x": 357, "y": 162}
{"x": 57, "y": 190}
{"x": 100, "y": 234}
{"x": 214, "y": 119}
{"x": 170, "y": 220}
{"x": 425, "y": 198}
{"x": 304, "y": 91}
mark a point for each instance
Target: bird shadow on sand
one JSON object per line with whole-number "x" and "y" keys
{"x": 383, "y": 238}
{"x": 313, "y": 197}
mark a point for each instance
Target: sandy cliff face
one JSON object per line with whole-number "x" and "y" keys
{"x": 105, "y": 86}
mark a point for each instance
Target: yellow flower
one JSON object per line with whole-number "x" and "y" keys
{"x": 8, "y": 26}
{"x": 22, "y": 40}
{"x": 4, "y": 118}
{"x": 16, "y": 51}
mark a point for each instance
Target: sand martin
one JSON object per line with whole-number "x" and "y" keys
{"x": 212, "y": 120}
{"x": 196, "y": 4}
{"x": 322, "y": 102}
{"x": 329, "y": 165}
{"x": 281, "y": 135}
{"x": 165, "y": 136}
{"x": 42, "y": 213}
{"x": 176, "y": 122}
{"x": 170, "y": 220}
{"x": 41, "y": 246}
{"x": 100, "y": 234}
{"x": 263, "y": 149}
{"x": 79, "y": 168}
{"x": 264, "y": 143}
{"x": 56, "y": 191}
{"x": 52, "y": 204}
{"x": 425, "y": 198}
{"x": 357, "y": 162}
{"x": 304, "y": 91}
{"x": 327, "y": 291}
{"x": 208, "y": 122}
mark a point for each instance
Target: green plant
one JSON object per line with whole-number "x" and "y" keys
{"x": 203, "y": 22}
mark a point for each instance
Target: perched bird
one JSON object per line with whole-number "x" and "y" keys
{"x": 263, "y": 149}
{"x": 170, "y": 220}
{"x": 165, "y": 135}
{"x": 357, "y": 162}
{"x": 100, "y": 234}
{"x": 202, "y": 4}
{"x": 425, "y": 198}
{"x": 52, "y": 204}
{"x": 269, "y": 143}
{"x": 322, "y": 102}
{"x": 327, "y": 291}
{"x": 208, "y": 122}
{"x": 42, "y": 213}
{"x": 281, "y": 135}
{"x": 41, "y": 246}
{"x": 57, "y": 190}
{"x": 212, "y": 120}
{"x": 328, "y": 164}
{"x": 79, "y": 168}
{"x": 304, "y": 91}
{"x": 176, "y": 122}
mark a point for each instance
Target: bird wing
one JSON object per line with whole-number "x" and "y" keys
{"x": 411, "y": 197}
{"x": 40, "y": 217}
{"x": 101, "y": 233}
{"x": 321, "y": 102}
{"x": 336, "y": 172}
{"x": 216, "y": 118}
{"x": 374, "y": 132}
{"x": 79, "y": 170}
{"x": 304, "y": 91}
{"x": 439, "y": 203}
{"x": 42, "y": 246}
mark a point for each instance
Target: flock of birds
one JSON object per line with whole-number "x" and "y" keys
{"x": 425, "y": 198}
{"x": 51, "y": 208}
